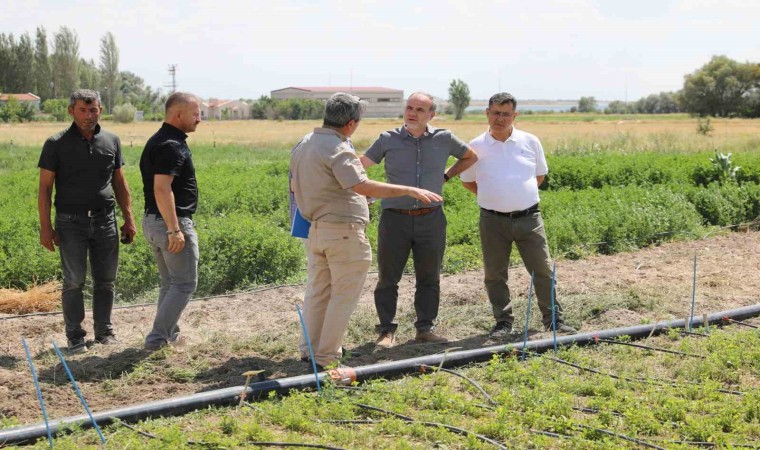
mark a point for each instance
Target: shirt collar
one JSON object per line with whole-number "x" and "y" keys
{"x": 173, "y": 131}
{"x": 405, "y": 133}
{"x": 75, "y": 129}
{"x": 491, "y": 140}
{"x": 325, "y": 130}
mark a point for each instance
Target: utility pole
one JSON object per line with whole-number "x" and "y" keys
{"x": 173, "y": 72}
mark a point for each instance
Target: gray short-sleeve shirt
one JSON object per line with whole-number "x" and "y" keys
{"x": 324, "y": 168}
{"x": 418, "y": 162}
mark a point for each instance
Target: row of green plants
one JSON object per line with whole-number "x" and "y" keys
{"x": 596, "y": 170}
{"x": 664, "y": 400}
{"x": 595, "y": 204}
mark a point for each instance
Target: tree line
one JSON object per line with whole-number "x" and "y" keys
{"x": 53, "y": 69}
{"x": 721, "y": 88}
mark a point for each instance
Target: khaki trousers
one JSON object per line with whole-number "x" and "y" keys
{"x": 497, "y": 233}
{"x": 339, "y": 256}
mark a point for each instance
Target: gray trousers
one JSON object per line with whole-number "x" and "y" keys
{"x": 178, "y": 272}
{"x": 425, "y": 237}
{"x": 497, "y": 233}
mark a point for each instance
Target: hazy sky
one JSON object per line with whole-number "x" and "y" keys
{"x": 535, "y": 49}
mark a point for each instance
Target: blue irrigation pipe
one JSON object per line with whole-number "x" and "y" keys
{"x": 693, "y": 293}
{"x": 39, "y": 391}
{"x": 79, "y": 393}
{"x": 311, "y": 351}
{"x": 554, "y": 312}
{"x": 527, "y": 317}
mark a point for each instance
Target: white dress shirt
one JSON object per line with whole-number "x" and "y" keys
{"x": 506, "y": 171}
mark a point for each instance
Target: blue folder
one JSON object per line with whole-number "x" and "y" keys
{"x": 300, "y": 226}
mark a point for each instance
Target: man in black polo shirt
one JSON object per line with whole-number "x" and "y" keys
{"x": 171, "y": 197}
{"x": 85, "y": 164}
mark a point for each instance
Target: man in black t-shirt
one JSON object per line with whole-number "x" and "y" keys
{"x": 85, "y": 165}
{"x": 171, "y": 197}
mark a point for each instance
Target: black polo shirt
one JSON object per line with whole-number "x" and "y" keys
{"x": 83, "y": 169}
{"x": 167, "y": 153}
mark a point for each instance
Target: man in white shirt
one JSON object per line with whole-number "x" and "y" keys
{"x": 510, "y": 168}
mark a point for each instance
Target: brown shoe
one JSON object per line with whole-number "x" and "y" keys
{"x": 386, "y": 339}
{"x": 429, "y": 337}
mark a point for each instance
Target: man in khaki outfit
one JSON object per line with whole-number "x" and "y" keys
{"x": 330, "y": 187}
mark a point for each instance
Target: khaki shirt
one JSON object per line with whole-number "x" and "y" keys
{"x": 325, "y": 168}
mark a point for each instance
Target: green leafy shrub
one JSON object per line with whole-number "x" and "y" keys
{"x": 240, "y": 250}
{"x": 124, "y": 113}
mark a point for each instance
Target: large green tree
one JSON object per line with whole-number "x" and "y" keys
{"x": 65, "y": 62}
{"x": 7, "y": 62}
{"x": 109, "y": 70}
{"x": 134, "y": 91}
{"x": 43, "y": 78}
{"x": 24, "y": 69}
{"x": 722, "y": 87}
{"x": 459, "y": 97}
{"x": 89, "y": 75}
{"x": 587, "y": 104}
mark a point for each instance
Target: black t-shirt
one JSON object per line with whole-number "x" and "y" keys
{"x": 83, "y": 169}
{"x": 167, "y": 153}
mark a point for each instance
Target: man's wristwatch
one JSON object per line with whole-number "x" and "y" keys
{"x": 177, "y": 231}
{"x": 446, "y": 177}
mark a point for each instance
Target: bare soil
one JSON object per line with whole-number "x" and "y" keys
{"x": 230, "y": 335}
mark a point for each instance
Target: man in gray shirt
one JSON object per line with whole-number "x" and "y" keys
{"x": 415, "y": 155}
{"x": 330, "y": 185}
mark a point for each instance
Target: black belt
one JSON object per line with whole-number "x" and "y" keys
{"x": 189, "y": 215}
{"x": 515, "y": 214}
{"x": 414, "y": 212}
{"x": 89, "y": 212}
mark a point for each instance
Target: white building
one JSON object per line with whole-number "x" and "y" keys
{"x": 215, "y": 109}
{"x": 381, "y": 102}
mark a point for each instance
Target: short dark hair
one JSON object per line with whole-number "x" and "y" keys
{"x": 178, "y": 98}
{"x": 502, "y": 98}
{"x": 86, "y": 95}
{"x": 342, "y": 108}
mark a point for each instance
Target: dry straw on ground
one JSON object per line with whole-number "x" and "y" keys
{"x": 40, "y": 298}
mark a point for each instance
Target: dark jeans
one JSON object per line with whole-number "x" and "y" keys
{"x": 79, "y": 236}
{"x": 497, "y": 233}
{"x": 425, "y": 237}
{"x": 178, "y": 272}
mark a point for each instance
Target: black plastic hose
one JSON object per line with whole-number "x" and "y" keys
{"x": 230, "y": 396}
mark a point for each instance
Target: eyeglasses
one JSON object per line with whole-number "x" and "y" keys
{"x": 501, "y": 115}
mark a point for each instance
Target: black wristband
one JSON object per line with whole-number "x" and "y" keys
{"x": 446, "y": 177}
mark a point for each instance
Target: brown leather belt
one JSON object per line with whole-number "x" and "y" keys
{"x": 414, "y": 212}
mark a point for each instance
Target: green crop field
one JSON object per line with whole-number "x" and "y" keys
{"x": 612, "y": 187}
{"x": 604, "y": 194}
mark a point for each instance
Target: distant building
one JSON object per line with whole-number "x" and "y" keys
{"x": 215, "y": 109}
{"x": 381, "y": 102}
{"x": 22, "y": 98}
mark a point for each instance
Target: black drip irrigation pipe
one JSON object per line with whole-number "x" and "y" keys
{"x": 231, "y": 396}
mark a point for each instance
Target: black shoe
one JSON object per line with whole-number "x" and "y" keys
{"x": 76, "y": 346}
{"x": 108, "y": 339}
{"x": 501, "y": 330}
